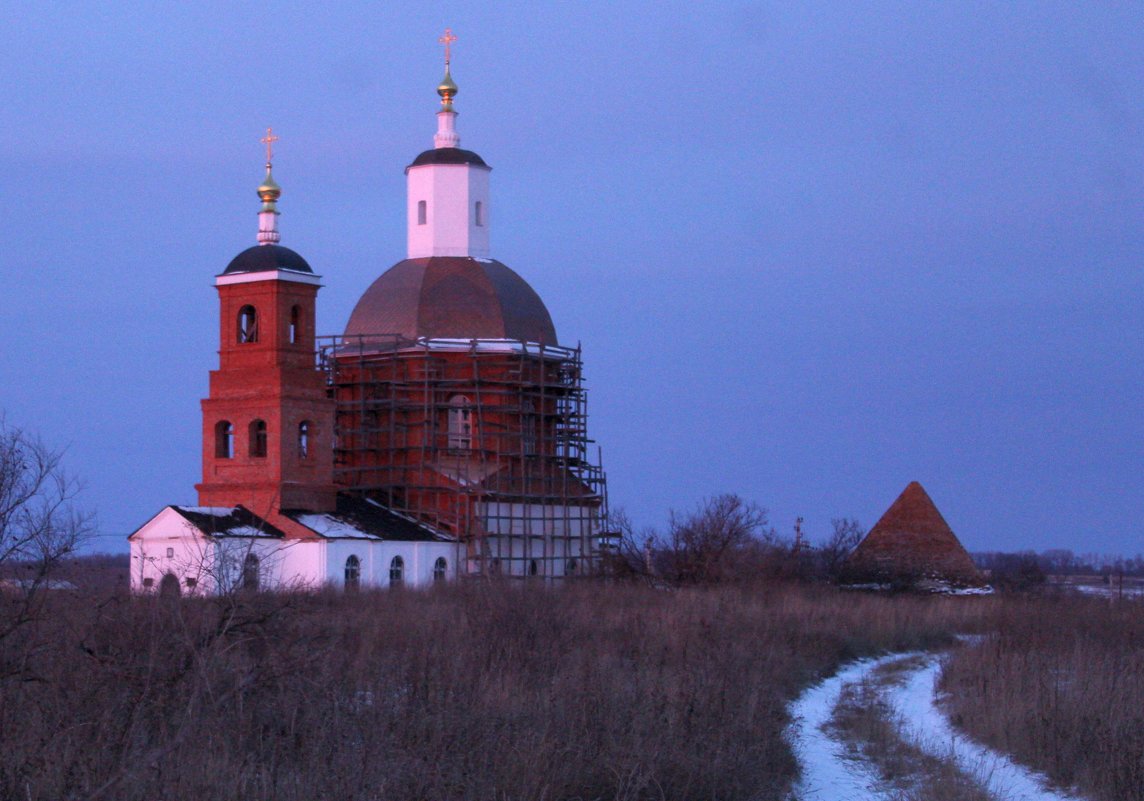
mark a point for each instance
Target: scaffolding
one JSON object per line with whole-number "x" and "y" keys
{"x": 484, "y": 440}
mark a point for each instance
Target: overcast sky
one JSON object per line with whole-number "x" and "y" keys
{"x": 812, "y": 251}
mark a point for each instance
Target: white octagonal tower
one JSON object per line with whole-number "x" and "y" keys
{"x": 447, "y": 191}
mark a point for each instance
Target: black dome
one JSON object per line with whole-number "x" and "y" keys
{"x": 448, "y": 155}
{"x": 262, "y": 258}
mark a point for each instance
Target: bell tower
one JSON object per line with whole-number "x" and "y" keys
{"x": 268, "y": 423}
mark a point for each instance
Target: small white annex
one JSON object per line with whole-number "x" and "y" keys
{"x": 207, "y": 550}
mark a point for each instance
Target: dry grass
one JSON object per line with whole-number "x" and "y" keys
{"x": 1061, "y": 686}
{"x": 480, "y": 692}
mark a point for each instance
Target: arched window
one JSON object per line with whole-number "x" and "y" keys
{"x": 295, "y": 325}
{"x": 533, "y": 567}
{"x": 397, "y": 572}
{"x": 250, "y": 572}
{"x": 247, "y": 324}
{"x": 353, "y": 573}
{"x": 460, "y": 423}
{"x": 422, "y": 212}
{"x": 479, "y": 213}
{"x": 304, "y": 439}
{"x": 224, "y": 440}
{"x": 258, "y": 438}
{"x": 439, "y": 568}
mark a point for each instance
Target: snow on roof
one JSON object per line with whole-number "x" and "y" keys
{"x": 225, "y": 521}
{"x": 213, "y": 511}
{"x": 330, "y": 526}
{"x": 363, "y": 518}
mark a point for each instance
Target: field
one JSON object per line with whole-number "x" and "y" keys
{"x": 1060, "y": 684}
{"x": 477, "y": 692}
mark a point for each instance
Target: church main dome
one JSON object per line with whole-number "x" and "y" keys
{"x": 452, "y": 297}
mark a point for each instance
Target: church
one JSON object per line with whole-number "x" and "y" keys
{"x": 442, "y": 436}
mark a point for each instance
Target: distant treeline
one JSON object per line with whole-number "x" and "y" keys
{"x": 1060, "y": 562}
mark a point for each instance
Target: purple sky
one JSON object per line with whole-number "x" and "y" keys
{"x": 812, "y": 254}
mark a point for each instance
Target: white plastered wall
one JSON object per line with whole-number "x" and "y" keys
{"x": 450, "y": 192}
{"x": 554, "y": 536}
{"x": 376, "y": 557}
{"x": 170, "y": 544}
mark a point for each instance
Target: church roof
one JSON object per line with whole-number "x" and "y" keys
{"x": 361, "y": 518}
{"x": 263, "y": 258}
{"x": 912, "y": 542}
{"x": 228, "y": 521}
{"x": 452, "y": 297}
{"x": 448, "y": 155}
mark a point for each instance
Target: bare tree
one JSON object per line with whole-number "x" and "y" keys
{"x": 39, "y": 523}
{"x": 844, "y": 538}
{"x": 709, "y": 544}
{"x": 633, "y": 555}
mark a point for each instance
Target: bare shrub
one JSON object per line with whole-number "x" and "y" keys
{"x": 713, "y": 543}
{"x": 845, "y": 534}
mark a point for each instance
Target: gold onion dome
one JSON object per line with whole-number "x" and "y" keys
{"x": 268, "y": 190}
{"x": 447, "y": 89}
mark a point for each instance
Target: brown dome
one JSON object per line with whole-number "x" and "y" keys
{"x": 452, "y": 297}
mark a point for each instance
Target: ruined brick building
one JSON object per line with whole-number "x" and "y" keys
{"x": 911, "y": 545}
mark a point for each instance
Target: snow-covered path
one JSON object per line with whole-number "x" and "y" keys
{"x": 832, "y": 771}
{"x": 930, "y": 730}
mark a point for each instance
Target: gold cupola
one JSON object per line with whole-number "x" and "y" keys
{"x": 447, "y": 89}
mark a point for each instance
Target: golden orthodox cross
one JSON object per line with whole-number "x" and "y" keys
{"x": 448, "y": 40}
{"x": 269, "y": 141}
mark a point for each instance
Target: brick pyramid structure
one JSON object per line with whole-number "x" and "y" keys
{"x": 911, "y": 543}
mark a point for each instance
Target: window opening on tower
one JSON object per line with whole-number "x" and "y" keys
{"x": 422, "y": 212}
{"x": 247, "y": 325}
{"x": 258, "y": 438}
{"x": 304, "y": 439}
{"x": 224, "y": 439}
{"x": 295, "y": 324}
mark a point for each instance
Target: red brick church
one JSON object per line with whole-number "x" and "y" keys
{"x": 442, "y": 435}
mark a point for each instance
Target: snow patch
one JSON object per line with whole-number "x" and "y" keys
{"x": 213, "y": 511}
{"x": 332, "y": 527}
{"x": 241, "y": 531}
